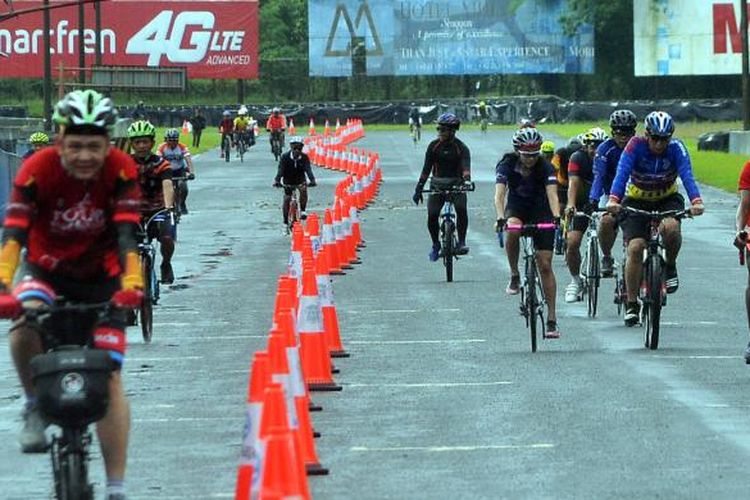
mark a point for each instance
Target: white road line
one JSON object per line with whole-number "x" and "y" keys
{"x": 181, "y": 419}
{"x": 400, "y": 311}
{"x": 433, "y": 384}
{"x": 431, "y": 449}
{"x": 208, "y": 337}
{"x": 384, "y": 342}
{"x": 133, "y": 359}
{"x": 677, "y": 356}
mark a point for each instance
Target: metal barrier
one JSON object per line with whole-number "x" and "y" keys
{"x": 9, "y": 164}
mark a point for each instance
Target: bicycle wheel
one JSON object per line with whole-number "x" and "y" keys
{"x": 146, "y": 310}
{"x": 620, "y": 294}
{"x": 70, "y": 473}
{"x": 227, "y": 148}
{"x": 655, "y": 280}
{"x": 532, "y": 302}
{"x": 448, "y": 249}
{"x": 241, "y": 150}
{"x": 293, "y": 212}
{"x": 592, "y": 277}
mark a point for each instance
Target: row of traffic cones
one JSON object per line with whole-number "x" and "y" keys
{"x": 278, "y": 450}
{"x": 350, "y": 132}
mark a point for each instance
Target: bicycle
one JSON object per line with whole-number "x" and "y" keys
{"x": 226, "y": 146}
{"x": 532, "y": 296}
{"x": 147, "y": 251}
{"x": 294, "y": 214}
{"x": 276, "y": 143}
{"x": 590, "y": 267}
{"x": 416, "y": 132}
{"x": 621, "y": 292}
{"x": 448, "y": 238}
{"x": 178, "y": 184}
{"x": 483, "y": 123}
{"x": 653, "y": 290}
{"x": 242, "y": 145}
{"x": 561, "y": 237}
{"x": 72, "y": 387}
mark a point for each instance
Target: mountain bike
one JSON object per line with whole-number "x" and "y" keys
{"x": 277, "y": 143}
{"x": 147, "y": 251}
{"x": 72, "y": 387}
{"x": 242, "y": 145}
{"x": 653, "y": 290}
{"x": 179, "y": 184}
{"x": 448, "y": 236}
{"x": 591, "y": 274}
{"x": 533, "y": 301}
{"x": 226, "y": 146}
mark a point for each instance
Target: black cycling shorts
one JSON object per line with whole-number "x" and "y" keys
{"x": 543, "y": 240}
{"x": 636, "y": 225}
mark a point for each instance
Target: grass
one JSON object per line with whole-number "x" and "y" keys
{"x": 210, "y": 139}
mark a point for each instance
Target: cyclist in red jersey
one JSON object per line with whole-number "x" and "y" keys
{"x": 226, "y": 129}
{"x": 75, "y": 207}
{"x": 741, "y": 241}
{"x": 276, "y": 125}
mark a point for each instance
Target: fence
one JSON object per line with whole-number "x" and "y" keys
{"x": 9, "y": 163}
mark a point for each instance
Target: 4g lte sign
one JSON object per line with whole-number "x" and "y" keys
{"x": 213, "y": 39}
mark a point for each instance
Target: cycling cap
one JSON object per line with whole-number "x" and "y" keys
{"x": 623, "y": 118}
{"x": 659, "y": 123}
{"x": 527, "y": 140}
{"x": 449, "y": 120}
{"x": 39, "y": 138}
{"x": 141, "y": 128}
{"x": 172, "y": 134}
{"x": 295, "y": 139}
{"x": 548, "y": 147}
{"x": 85, "y": 108}
{"x": 595, "y": 136}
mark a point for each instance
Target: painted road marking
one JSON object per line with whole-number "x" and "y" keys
{"x": 431, "y": 449}
{"x": 379, "y": 342}
{"x": 677, "y": 356}
{"x": 433, "y": 384}
{"x": 401, "y": 311}
{"x": 172, "y": 358}
{"x": 181, "y": 419}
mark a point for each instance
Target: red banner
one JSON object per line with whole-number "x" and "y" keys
{"x": 213, "y": 39}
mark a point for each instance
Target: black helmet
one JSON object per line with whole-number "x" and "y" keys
{"x": 623, "y": 118}
{"x": 449, "y": 120}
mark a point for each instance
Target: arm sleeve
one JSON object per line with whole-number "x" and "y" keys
{"x": 465, "y": 162}
{"x": 427, "y": 165}
{"x": 501, "y": 173}
{"x": 308, "y": 169}
{"x": 685, "y": 171}
{"x": 600, "y": 168}
{"x": 624, "y": 168}
{"x": 549, "y": 174}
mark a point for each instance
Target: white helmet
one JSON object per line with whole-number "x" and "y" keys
{"x": 242, "y": 111}
{"x": 295, "y": 139}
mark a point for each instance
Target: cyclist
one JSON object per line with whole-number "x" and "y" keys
{"x": 560, "y": 163}
{"x": 294, "y": 165}
{"x": 38, "y": 140}
{"x": 529, "y": 183}
{"x": 178, "y": 156}
{"x": 548, "y": 150}
{"x": 646, "y": 177}
{"x": 226, "y": 129}
{"x": 741, "y": 241}
{"x": 484, "y": 114}
{"x": 623, "y": 123}
{"x": 448, "y": 161}
{"x": 276, "y": 125}
{"x": 415, "y": 120}
{"x": 155, "y": 179}
{"x": 243, "y": 127}
{"x": 75, "y": 209}
{"x": 580, "y": 175}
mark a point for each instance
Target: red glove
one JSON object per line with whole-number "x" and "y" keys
{"x": 10, "y": 307}
{"x": 127, "y": 299}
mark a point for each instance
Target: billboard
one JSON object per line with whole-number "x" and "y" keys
{"x": 449, "y": 37}
{"x": 687, "y": 37}
{"x": 213, "y": 39}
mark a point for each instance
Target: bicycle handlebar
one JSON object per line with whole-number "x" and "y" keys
{"x": 456, "y": 188}
{"x": 675, "y": 214}
{"x": 61, "y": 305}
{"x": 542, "y": 226}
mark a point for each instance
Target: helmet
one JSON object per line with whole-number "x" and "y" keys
{"x": 623, "y": 118}
{"x": 659, "y": 123}
{"x": 172, "y": 134}
{"x": 527, "y": 122}
{"x": 39, "y": 138}
{"x": 527, "y": 140}
{"x": 482, "y": 103}
{"x": 226, "y": 113}
{"x": 85, "y": 107}
{"x": 141, "y": 128}
{"x": 242, "y": 111}
{"x": 276, "y": 110}
{"x": 548, "y": 147}
{"x": 595, "y": 136}
{"x": 295, "y": 139}
{"x": 575, "y": 143}
{"x": 449, "y": 120}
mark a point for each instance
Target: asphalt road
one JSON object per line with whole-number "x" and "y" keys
{"x": 442, "y": 397}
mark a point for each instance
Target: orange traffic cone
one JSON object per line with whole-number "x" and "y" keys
{"x": 292, "y": 128}
{"x": 328, "y": 308}
{"x": 185, "y": 127}
{"x": 313, "y": 229}
{"x": 329, "y": 243}
{"x": 338, "y": 124}
{"x": 311, "y": 129}
{"x": 338, "y": 231}
{"x": 244, "y": 478}
{"x": 256, "y": 130}
{"x": 295, "y": 258}
{"x": 281, "y": 475}
{"x": 327, "y": 129}
{"x": 251, "y": 454}
{"x": 316, "y": 363}
{"x": 284, "y": 321}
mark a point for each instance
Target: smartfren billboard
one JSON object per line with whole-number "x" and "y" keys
{"x": 448, "y": 37}
{"x": 687, "y": 37}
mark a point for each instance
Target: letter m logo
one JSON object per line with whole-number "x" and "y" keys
{"x": 339, "y": 41}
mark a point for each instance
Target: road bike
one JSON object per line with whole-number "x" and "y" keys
{"x": 71, "y": 382}
{"x": 590, "y": 272}
{"x": 533, "y": 301}
{"x": 147, "y": 252}
{"x": 415, "y": 130}
{"x": 561, "y": 237}
{"x": 277, "y": 143}
{"x": 179, "y": 184}
{"x": 653, "y": 290}
{"x": 621, "y": 292}
{"x": 448, "y": 236}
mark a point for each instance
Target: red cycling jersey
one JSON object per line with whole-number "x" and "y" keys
{"x": 226, "y": 126}
{"x": 744, "y": 184}
{"x": 276, "y": 122}
{"x": 71, "y": 224}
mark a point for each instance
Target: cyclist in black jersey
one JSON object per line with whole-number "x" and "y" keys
{"x": 448, "y": 161}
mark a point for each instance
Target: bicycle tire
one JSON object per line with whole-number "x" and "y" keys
{"x": 70, "y": 473}
{"x": 293, "y": 215}
{"x": 654, "y": 275}
{"x": 592, "y": 278}
{"x": 146, "y": 309}
{"x": 227, "y": 149}
{"x": 531, "y": 302}
{"x": 241, "y": 150}
{"x": 448, "y": 249}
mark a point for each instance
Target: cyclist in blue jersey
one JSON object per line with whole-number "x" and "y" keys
{"x": 623, "y": 123}
{"x": 647, "y": 179}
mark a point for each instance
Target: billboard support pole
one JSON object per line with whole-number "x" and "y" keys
{"x": 745, "y": 77}
{"x": 81, "y": 53}
{"x": 98, "y": 31}
{"x": 47, "y": 87}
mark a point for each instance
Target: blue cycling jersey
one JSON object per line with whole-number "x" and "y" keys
{"x": 643, "y": 175}
{"x": 605, "y": 167}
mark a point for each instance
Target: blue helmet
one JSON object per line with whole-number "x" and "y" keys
{"x": 172, "y": 135}
{"x": 449, "y": 120}
{"x": 659, "y": 123}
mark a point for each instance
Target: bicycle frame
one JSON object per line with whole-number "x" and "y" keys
{"x": 147, "y": 251}
{"x": 590, "y": 271}
{"x": 294, "y": 210}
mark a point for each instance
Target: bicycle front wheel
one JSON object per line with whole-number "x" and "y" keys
{"x": 147, "y": 306}
{"x": 592, "y": 277}
{"x": 448, "y": 250}
{"x": 293, "y": 213}
{"x": 532, "y": 303}
{"x": 71, "y": 474}
{"x": 655, "y": 281}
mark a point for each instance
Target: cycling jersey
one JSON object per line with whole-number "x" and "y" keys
{"x": 175, "y": 156}
{"x": 293, "y": 169}
{"x": 70, "y": 225}
{"x": 581, "y": 166}
{"x": 152, "y": 171}
{"x": 560, "y": 162}
{"x": 526, "y": 192}
{"x": 605, "y": 167}
{"x": 276, "y": 122}
{"x": 241, "y": 124}
{"x": 641, "y": 175}
{"x": 226, "y": 126}
{"x": 446, "y": 159}
{"x": 482, "y": 110}
{"x": 744, "y": 183}
{"x": 415, "y": 116}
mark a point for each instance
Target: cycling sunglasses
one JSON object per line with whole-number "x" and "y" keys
{"x": 298, "y": 147}
{"x": 660, "y": 138}
{"x": 445, "y": 129}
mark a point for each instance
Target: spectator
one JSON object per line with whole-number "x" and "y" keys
{"x": 198, "y": 121}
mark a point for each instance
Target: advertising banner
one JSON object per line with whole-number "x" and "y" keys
{"x": 687, "y": 37}
{"x": 213, "y": 39}
{"x": 447, "y": 37}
